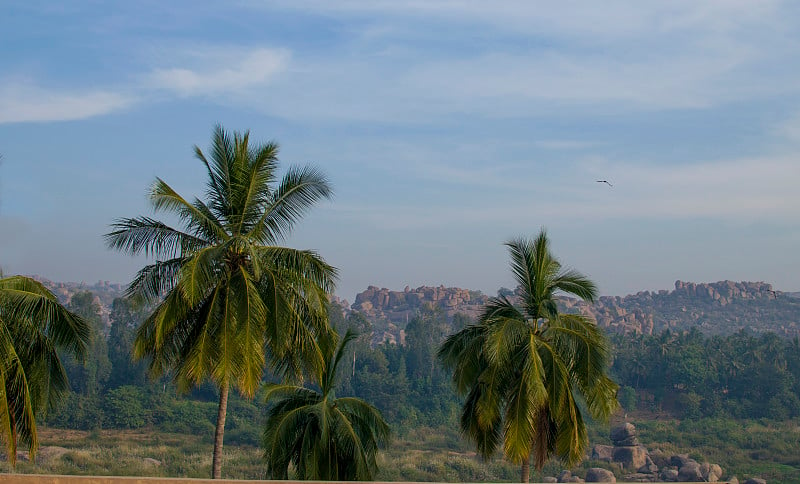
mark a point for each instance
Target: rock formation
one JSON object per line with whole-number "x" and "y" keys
{"x": 397, "y": 306}
{"x": 639, "y": 466}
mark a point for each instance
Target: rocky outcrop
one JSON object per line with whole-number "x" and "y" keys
{"x": 638, "y": 465}
{"x": 715, "y": 308}
{"x": 397, "y": 306}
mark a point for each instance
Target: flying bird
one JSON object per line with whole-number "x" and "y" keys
{"x": 606, "y": 182}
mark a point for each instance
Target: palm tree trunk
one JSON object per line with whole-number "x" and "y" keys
{"x": 526, "y": 470}
{"x": 216, "y": 462}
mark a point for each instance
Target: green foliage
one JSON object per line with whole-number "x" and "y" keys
{"x": 229, "y": 299}
{"x": 695, "y": 376}
{"x": 320, "y": 436}
{"x": 523, "y": 369}
{"x": 88, "y": 376}
{"x": 33, "y": 327}
{"x": 124, "y": 408}
{"x": 627, "y": 398}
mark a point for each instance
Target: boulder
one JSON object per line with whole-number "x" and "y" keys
{"x": 690, "y": 472}
{"x": 755, "y": 480}
{"x": 150, "y": 461}
{"x": 669, "y": 475}
{"x": 564, "y": 476}
{"x": 597, "y": 474}
{"x": 603, "y": 453}
{"x": 679, "y": 460}
{"x": 659, "y": 458}
{"x": 733, "y": 480}
{"x": 630, "y": 458}
{"x": 551, "y": 479}
{"x": 710, "y": 472}
{"x": 648, "y": 469}
{"x": 624, "y": 435}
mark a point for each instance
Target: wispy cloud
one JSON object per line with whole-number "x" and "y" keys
{"x": 217, "y": 70}
{"x": 747, "y": 189}
{"x": 22, "y": 102}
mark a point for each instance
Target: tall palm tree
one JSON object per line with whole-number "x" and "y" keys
{"x": 324, "y": 437}
{"x": 33, "y": 327}
{"x": 524, "y": 368}
{"x": 230, "y": 298}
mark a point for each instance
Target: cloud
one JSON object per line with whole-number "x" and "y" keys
{"x": 516, "y": 59}
{"x": 220, "y": 71}
{"x": 20, "y": 102}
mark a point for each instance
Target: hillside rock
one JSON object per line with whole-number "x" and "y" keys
{"x": 715, "y": 308}
{"x": 631, "y": 458}
{"x": 690, "y": 472}
{"x": 603, "y": 453}
{"x": 598, "y": 474}
{"x": 624, "y": 435}
{"x": 397, "y": 306}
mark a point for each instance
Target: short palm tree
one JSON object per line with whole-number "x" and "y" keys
{"x": 230, "y": 298}
{"x": 33, "y": 328}
{"x": 523, "y": 368}
{"x": 323, "y": 437}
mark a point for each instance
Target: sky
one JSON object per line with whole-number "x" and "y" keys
{"x": 446, "y": 129}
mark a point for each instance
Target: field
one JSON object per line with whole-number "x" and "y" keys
{"x": 743, "y": 448}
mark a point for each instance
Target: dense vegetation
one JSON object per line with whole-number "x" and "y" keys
{"x": 691, "y": 375}
{"x": 671, "y": 386}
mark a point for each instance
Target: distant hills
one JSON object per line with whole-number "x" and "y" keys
{"x": 715, "y": 308}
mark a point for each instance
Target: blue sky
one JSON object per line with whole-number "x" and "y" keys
{"x": 446, "y": 128}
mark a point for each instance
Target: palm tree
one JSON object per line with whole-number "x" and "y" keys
{"x": 524, "y": 369}
{"x": 230, "y": 298}
{"x": 33, "y": 327}
{"x": 323, "y": 437}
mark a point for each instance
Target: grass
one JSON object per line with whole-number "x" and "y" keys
{"x": 766, "y": 449}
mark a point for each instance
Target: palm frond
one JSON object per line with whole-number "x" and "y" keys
{"x": 153, "y": 238}
{"x": 300, "y": 189}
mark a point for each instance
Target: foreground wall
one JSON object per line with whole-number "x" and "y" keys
{"x": 43, "y": 479}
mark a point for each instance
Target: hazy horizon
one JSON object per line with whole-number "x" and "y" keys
{"x": 446, "y": 129}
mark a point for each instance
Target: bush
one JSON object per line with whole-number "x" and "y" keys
{"x": 124, "y": 408}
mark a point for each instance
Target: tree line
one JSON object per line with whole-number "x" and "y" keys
{"x": 689, "y": 374}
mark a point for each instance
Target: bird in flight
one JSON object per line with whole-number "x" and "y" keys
{"x": 606, "y": 182}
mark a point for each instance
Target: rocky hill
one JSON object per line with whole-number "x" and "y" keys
{"x": 398, "y": 306}
{"x": 716, "y": 308}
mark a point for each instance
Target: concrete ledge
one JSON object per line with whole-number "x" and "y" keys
{"x": 53, "y": 479}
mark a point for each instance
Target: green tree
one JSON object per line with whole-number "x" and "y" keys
{"x": 233, "y": 299}
{"x": 323, "y": 437}
{"x": 126, "y": 316}
{"x": 33, "y": 327}
{"x": 523, "y": 368}
{"x": 88, "y": 378}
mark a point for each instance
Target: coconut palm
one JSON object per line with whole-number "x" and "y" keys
{"x": 323, "y": 437}
{"x": 33, "y": 327}
{"x": 524, "y": 368}
{"x": 230, "y": 299}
